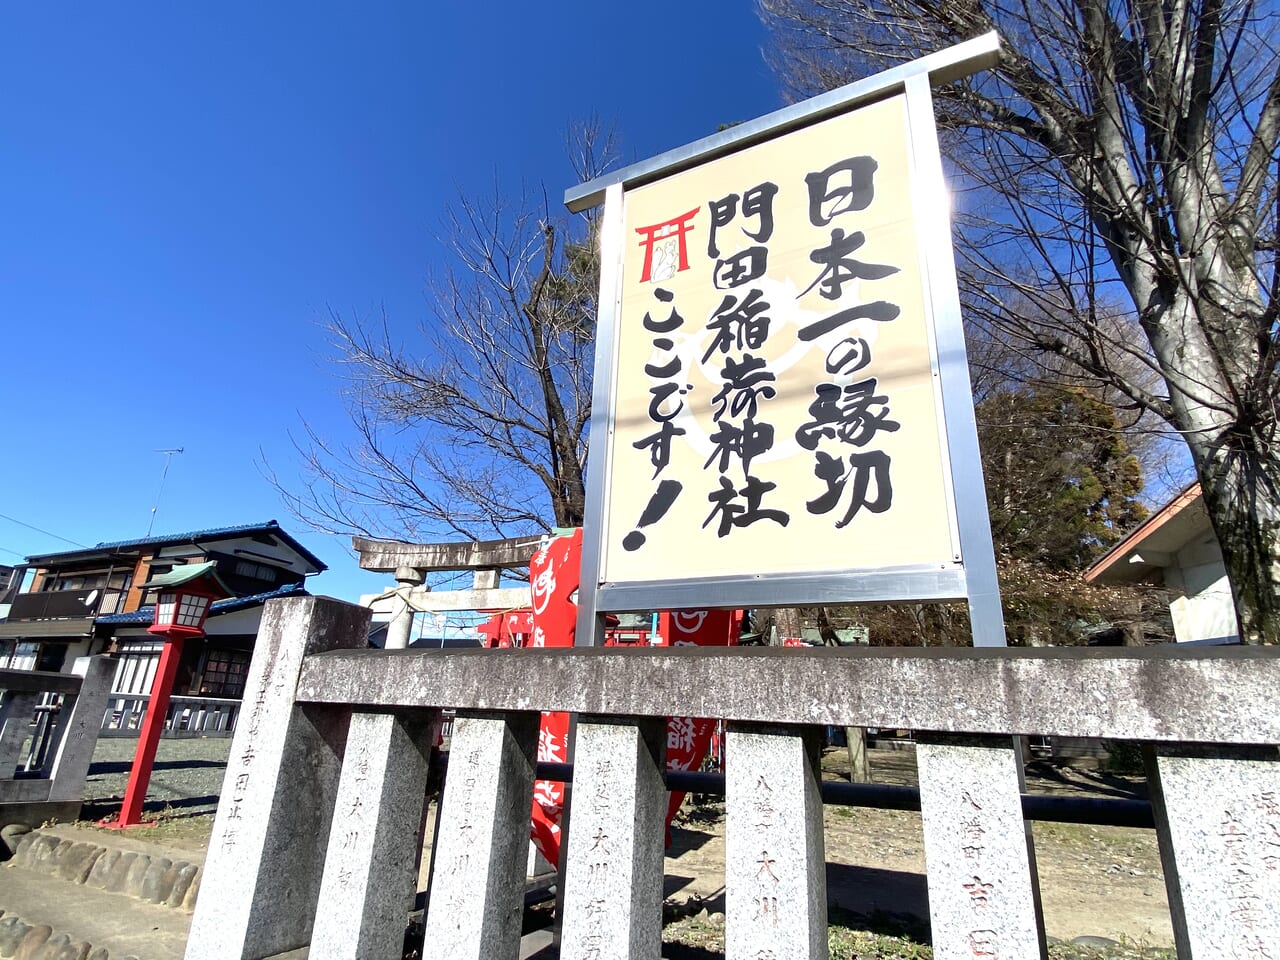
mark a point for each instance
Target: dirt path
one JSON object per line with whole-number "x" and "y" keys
{"x": 1100, "y": 881}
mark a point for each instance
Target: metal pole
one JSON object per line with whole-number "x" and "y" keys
{"x": 168, "y": 457}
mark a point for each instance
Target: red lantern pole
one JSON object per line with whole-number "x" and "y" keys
{"x": 187, "y": 593}
{"x": 152, "y": 726}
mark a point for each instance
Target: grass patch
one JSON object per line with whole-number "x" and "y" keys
{"x": 180, "y": 829}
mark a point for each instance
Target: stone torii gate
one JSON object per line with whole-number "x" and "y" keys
{"x": 411, "y": 562}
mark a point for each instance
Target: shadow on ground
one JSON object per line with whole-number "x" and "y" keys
{"x": 104, "y": 768}
{"x": 1093, "y": 782}
{"x": 103, "y": 807}
{"x": 685, "y": 841}
{"x": 890, "y": 902}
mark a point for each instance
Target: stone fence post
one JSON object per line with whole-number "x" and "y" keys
{"x": 266, "y": 854}
{"x": 774, "y": 874}
{"x": 613, "y": 877}
{"x": 369, "y": 876}
{"x": 1218, "y": 823}
{"x": 16, "y": 708}
{"x": 478, "y": 865}
{"x": 983, "y": 893}
{"x": 80, "y": 727}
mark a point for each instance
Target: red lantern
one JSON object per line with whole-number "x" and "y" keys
{"x": 185, "y": 596}
{"x": 186, "y": 593}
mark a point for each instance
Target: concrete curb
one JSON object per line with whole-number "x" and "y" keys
{"x": 158, "y": 880}
{"x": 27, "y": 942}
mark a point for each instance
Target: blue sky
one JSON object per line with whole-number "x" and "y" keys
{"x": 187, "y": 190}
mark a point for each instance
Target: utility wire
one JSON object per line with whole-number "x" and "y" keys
{"x": 74, "y": 543}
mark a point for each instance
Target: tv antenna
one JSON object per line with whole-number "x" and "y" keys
{"x": 168, "y": 456}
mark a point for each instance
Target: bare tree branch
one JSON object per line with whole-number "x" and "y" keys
{"x": 476, "y": 427}
{"x": 1119, "y": 146}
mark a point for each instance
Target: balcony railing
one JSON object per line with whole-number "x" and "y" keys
{"x": 67, "y": 604}
{"x": 187, "y": 716}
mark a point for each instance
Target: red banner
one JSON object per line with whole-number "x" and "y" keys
{"x": 554, "y": 573}
{"x": 689, "y": 737}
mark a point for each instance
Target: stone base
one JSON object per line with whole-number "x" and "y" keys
{"x": 34, "y": 813}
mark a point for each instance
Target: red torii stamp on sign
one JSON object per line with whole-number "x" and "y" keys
{"x": 674, "y": 229}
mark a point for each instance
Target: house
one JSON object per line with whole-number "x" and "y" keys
{"x": 88, "y": 601}
{"x": 1176, "y": 546}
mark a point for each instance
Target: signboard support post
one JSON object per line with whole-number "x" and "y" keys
{"x": 973, "y": 523}
{"x": 590, "y": 630}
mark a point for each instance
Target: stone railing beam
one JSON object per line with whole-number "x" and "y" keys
{"x": 1202, "y": 694}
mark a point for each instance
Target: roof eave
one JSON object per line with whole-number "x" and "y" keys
{"x": 1134, "y": 540}
{"x": 115, "y": 548}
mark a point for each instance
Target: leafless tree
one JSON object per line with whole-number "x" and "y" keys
{"x": 999, "y": 363}
{"x": 1120, "y": 148}
{"x": 476, "y": 426}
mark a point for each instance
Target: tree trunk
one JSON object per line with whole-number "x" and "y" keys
{"x": 855, "y": 739}
{"x": 1132, "y": 630}
{"x": 1222, "y": 402}
{"x": 1242, "y": 494}
{"x": 788, "y": 622}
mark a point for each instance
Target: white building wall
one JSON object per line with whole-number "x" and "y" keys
{"x": 244, "y": 621}
{"x": 247, "y": 548}
{"x": 1205, "y": 611}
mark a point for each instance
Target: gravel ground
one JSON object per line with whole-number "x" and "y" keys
{"x": 185, "y": 781}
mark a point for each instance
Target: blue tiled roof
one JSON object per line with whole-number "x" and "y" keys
{"x": 147, "y": 614}
{"x": 271, "y": 526}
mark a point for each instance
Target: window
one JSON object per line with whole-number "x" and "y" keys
{"x": 191, "y": 610}
{"x": 116, "y": 595}
{"x": 19, "y": 656}
{"x": 224, "y": 673}
{"x": 256, "y": 571}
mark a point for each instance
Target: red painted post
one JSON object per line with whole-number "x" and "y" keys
{"x": 152, "y": 726}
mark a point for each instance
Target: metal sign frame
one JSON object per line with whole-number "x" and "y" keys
{"x": 972, "y": 574}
